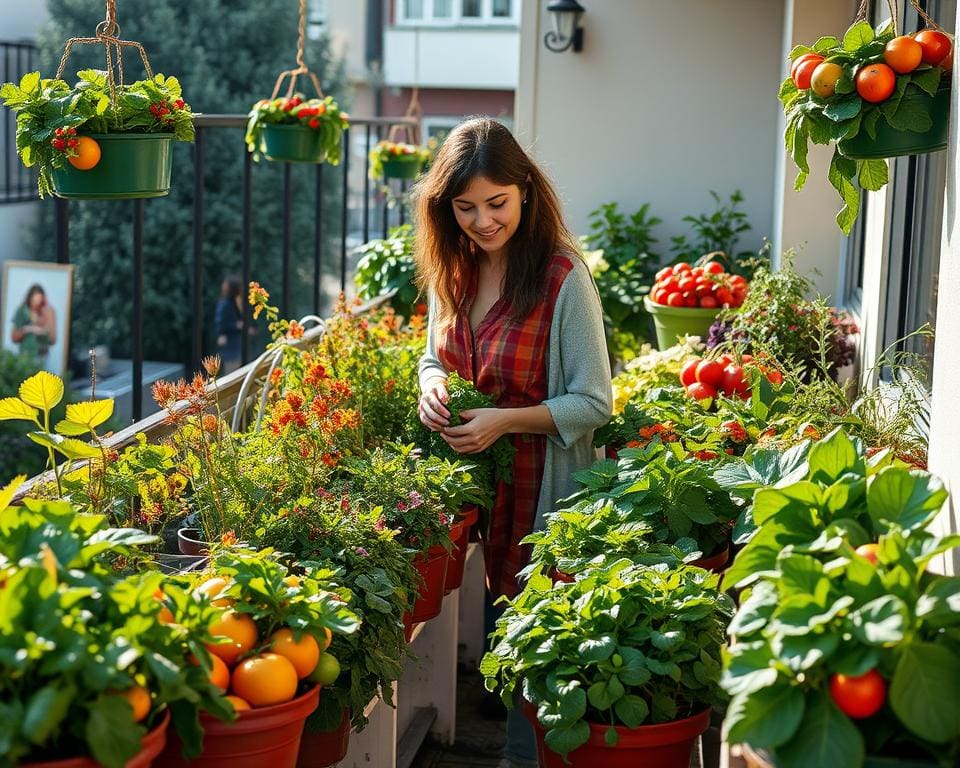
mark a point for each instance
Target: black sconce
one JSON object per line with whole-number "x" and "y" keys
{"x": 566, "y": 32}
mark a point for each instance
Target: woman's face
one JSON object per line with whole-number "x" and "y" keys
{"x": 37, "y": 301}
{"x": 488, "y": 213}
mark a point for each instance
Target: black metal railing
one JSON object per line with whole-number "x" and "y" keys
{"x": 357, "y": 199}
{"x": 17, "y": 184}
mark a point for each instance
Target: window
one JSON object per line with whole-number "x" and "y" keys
{"x": 458, "y": 12}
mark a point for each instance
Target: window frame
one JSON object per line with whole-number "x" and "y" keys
{"x": 456, "y": 18}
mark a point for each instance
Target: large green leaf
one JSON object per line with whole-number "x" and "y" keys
{"x": 873, "y": 175}
{"x": 68, "y": 446}
{"x": 826, "y": 737}
{"x": 111, "y": 733}
{"x": 844, "y": 109}
{"x": 6, "y": 494}
{"x": 45, "y": 712}
{"x": 881, "y": 622}
{"x": 566, "y": 739}
{"x": 766, "y": 718}
{"x": 604, "y": 693}
{"x": 859, "y": 35}
{"x": 912, "y": 115}
{"x": 939, "y": 605}
{"x": 13, "y": 408}
{"x": 908, "y": 499}
{"x": 923, "y": 692}
{"x": 91, "y": 414}
{"x": 42, "y": 390}
{"x": 632, "y": 710}
{"x": 842, "y": 171}
{"x": 832, "y": 457}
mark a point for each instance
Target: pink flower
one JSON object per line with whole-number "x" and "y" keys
{"x": 415, "y": 499}
{"x": 362, "y": 552}
{"x": 401, "y": 506}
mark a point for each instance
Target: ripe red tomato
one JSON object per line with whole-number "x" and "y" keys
{"x": 708, "y": 302}
{"x": 689, "y": 299}
{"x": 675, "y": 299}
{"x": 733, "y": 381}
{"x": 724, "y": 296}
{"x": 876, "y": 82}
{"x": 688, "y": 374}
{"x": 713, "y": 268}
{"x": 801, "y": 59}
{"x": 803, "y": 74}
{"x": 664, "y": 273}
{"x": 775, "y": 377}
{"x": 859, "y": 697}
{"x": 936, "y": 45}
{"x": 659, "y": 296}
{"x": 696, "y": 271}
{"x": 710, "y": 372}
{"x": 869, "y": 552}
{"x": 746, "y": 357}
{"x": 687, "y": 284}
{"x": 700, "y": 391}
{"x": 681, "y": 266}
{"x": 671, "y": 284}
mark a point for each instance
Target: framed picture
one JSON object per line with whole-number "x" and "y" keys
{"x": 35, "y": 312}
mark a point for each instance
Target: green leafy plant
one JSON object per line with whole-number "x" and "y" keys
{"x": 83, "y": 652}
{"x": 387, "y": 265}
{"x": 625, "y": 645}
{"x": 845, "y": 108}
{"x": 393, "y": 151}
{"x": 716, "y": 233}
{"x": 51, "y": 116}
{"x": 321, "y": 115}
{"x": 838, "y": 593}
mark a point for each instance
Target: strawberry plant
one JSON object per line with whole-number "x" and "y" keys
{"x": 321, "y": 115}
{"x": 840, "y": 89}
{"x": 53, "y": 118}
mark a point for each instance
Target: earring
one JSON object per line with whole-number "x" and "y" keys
{"x": 523, "y": 202}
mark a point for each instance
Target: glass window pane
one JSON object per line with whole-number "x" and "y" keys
{"x": 413, "y": 9}
{"x": 442, "y": 9}
{"x": 501, "y": 9}
{"x": 471, "y": 9}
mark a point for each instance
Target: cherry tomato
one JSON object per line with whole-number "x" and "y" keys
{"x": 687, "y": 284}
{"x": 733, "y": 381}
{"x": 724, "y": 296}
{"x": 675, "y": 299}
{"x": 710, "y": 372}
{"x": 869, "y": 552}
{"x": 659, "y": 296}
{"x": 671, "y": 284}
{"x": 681, "y": 266}
{"x": 713, "y": 268}
{"x": 801, "y": 60}
{"x": 700, "y": 391}
{"x": 696, "y": 271}
{"x": 859, "y": 697}
{"x": 688, "y": 374}
{"x": 804, "y": 73}
{"x": 708, "y": 302}
{"x": 936, "y": 45}
{"x": 690, "y": 299}
{"x": 664, "y": 273}
{"x": 775, "y": 377}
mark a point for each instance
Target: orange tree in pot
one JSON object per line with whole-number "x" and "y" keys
{"x": 90, "y": 660}
{"x": 620, "y": 667}
{"x": 845, "y": 648}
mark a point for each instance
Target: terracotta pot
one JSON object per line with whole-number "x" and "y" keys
{"x": 190, "y": 541}
{"x": 458, "y": 555}
{"x": 716, "y": 562}
{"x": 151, "y": 746}
{"x": 667, "y": 745}
{"x": 432, "y": 568}
{"x": 263, "y": 736}
{"x": 319, "y": 749}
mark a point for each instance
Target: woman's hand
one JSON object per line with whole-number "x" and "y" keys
{"x": 432, "y": 409}
{"x": 481, "y": 429}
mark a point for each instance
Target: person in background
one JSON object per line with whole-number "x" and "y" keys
{"x": 228, "y": 322}
{"x": 35, "y": 326}
{"x": 514, "y": 309}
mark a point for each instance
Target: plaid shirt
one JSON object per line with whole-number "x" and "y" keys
{"x": 507, "y": 359}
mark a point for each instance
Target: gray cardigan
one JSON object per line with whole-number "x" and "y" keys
{"x": 579, "y": 394}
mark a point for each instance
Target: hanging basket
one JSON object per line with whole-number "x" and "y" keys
{"x": 402, "y": 167}
{"x": 132, "y": 165}
{"x": 293, "y": 144}
{"x": 891, "y": 142}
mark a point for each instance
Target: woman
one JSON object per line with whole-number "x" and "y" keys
{"x": 515, "y": 310}
{"x": 228, "y": 321}
{"x": 35, "y": 326}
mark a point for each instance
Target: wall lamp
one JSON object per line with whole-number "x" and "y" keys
{"x": 566, "y": 32}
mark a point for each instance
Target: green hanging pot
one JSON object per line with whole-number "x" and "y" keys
{"x": 671, "y": 322}
{"x": 891, "y": 142}
{"x": 402, "y": 167}
{"x": 131, "y": 165}
{"x": 293, "y": 144}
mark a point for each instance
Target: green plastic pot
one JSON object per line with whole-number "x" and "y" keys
{"x": 671, "y": 322}
{"x": 402, "y": 167}
{"x": 293, "y": 144}
{"x": 893, "y": 143}
{"x": 131, "y": 165}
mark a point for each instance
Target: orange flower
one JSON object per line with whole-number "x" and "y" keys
{"x": 209, "y": 422}
{"x": 295, "y": 330}
{"x": 228, "y": 539}
{"x": 275, "y": 375}
{"x": 211, "y": 365}
{"x": 295, "y": 400}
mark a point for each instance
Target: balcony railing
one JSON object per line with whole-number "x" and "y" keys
{"x": 364, "y": 212}
{"x": 17, "y": 184}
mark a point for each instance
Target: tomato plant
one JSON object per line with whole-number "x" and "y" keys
{"x": 859, "y": 696}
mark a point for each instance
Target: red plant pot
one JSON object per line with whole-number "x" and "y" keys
{"x": 324, "y": 748}
{"x": 716, "y": 562}
{"x": 458, "y": 555}
{"x": 262, "y": 736}
{"x": 667, "y": 745}
{"x": 432, "y": 568}
{"x": 151, "y": 746}
{"x": 612, "y": 453}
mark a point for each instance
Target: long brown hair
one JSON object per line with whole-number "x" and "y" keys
{"x": 446, "y": 257}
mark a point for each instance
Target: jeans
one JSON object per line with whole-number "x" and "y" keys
{"x": 521, "y": 743}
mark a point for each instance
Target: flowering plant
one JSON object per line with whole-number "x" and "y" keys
{"x": 321, "y": 115}
{"x": 53, "y": 119}
{"x": 390, "y": 151}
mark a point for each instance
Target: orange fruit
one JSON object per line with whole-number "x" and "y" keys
{"x": 241, "y": 631}
{"x": 211, "y": 588}
{"x": 876, "y": 82}
{"x": 823, "y": 82}
{"x": 292, "y": 581}
{"x": 240, "y": 705}
{"x": 327, "y": 639}
{"x": 219, "y": 673}
{"x": 164, "y": 615}
{"x": 903, "y": 54}
{"x": 87, "y": 154}
{"x": 303, "y": 654}
{"x": 265, "y": 680}
{"x": 138, "y": 697}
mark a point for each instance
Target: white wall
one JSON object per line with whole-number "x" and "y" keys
{"x": 944, "y": 441}
{"x": 20, "y": 20}
{"x": 665, "y": 102}
{"x": 347, "y": 27}
{"x": 451, "y": 57}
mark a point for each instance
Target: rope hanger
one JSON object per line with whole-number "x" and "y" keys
{"x": 301, "y": 68}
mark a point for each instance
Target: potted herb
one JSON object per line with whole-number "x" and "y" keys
{"x": 844, "y": 641}
{"x": 99, "y": 139}
{"x": 875, "y": 94}
{"x": 620, "y": 667}
{"x": 397, "y": 160}
{"x": 298, "y": 130}
{"x": 91, "y": 668}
